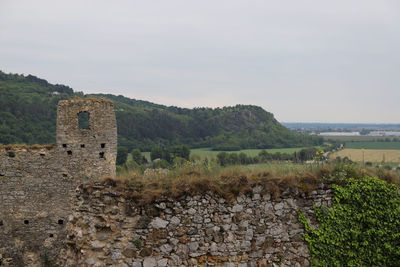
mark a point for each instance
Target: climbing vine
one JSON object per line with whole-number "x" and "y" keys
{"x": 361, "y": 229}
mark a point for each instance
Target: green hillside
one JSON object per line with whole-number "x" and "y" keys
{"x": 28, "y": 107}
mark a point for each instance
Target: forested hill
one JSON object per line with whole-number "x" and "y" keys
{"x": 28, "y": 109}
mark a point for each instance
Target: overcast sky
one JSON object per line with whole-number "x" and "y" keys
{"x": 304, "y": 61}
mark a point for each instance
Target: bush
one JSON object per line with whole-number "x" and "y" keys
{"x": 361, "y": 229}
{"x": 222, "y": 158}
{"x": 387, "y": 167}
{"x": 341, "y": 173}
{"x": 160, "y": 164}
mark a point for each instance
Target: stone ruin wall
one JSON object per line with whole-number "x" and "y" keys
{"x": 41, "y": 214}
{"x": 37, "y": 183}
{"x": 108, "y": 229}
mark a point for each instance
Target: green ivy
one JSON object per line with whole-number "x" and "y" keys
{"x": 361, "y": 229}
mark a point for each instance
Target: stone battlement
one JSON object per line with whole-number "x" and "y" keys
{"x": 38, "y": 182}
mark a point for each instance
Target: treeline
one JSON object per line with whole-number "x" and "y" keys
{"x": 386, "y": 139}
{"x": 231, "y": 158}
{"x": 177, "y": 156}
{"x": 28, "y": 110}
{"x": 160, "y": 157}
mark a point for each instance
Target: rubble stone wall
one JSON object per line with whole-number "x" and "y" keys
{"x": 37, "y": 183}
{"x": 108, "y": 229}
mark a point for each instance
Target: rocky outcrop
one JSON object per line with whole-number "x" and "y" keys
{"x": 109, "y": 229}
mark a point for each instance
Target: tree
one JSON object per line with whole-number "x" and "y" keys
{"x": 307, "y": 153}
{"x": 122, "y": 155}
{"x": 156, "y": 153}
{"x": 181, "y": 151}
{"x": 137, "y": 156}
{"x": 233, "y": 158}
{"x": 264, "y": 156}
{"x": 166, "y": 155}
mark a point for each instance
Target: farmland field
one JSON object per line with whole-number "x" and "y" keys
{"x": 372, "y": 155}
{"x": 373, "y": 145}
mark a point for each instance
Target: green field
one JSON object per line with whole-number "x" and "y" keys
{"x": 207, "y": 152}
{"x": 373, "y": 145}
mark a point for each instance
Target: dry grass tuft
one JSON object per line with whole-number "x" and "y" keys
{"x": 230, "y": 182}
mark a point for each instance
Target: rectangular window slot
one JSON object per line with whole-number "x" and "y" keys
{"x": 1, "y": 223}
{"x": 64, "y": 145}
{"x": 103, "y": 145}
{"x": 42, "y": 154}
{"x": 82, "y": 145}
{"x": 11, "y": 154}
{"x": 69, "y": 152}
{"x": 101, "y": 154}
{"x": 60, "y": 222}
{"x": 64, "y": 175}
{"x": 26, "y": 221}
{"x": 83, "y": 120}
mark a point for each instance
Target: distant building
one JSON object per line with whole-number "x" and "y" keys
{"x": 340, "y": 134}
{"x": 384, "y": 133}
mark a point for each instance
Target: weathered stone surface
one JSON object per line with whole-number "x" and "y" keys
{"x": 258, "y": 231}
{"x": 146, "y": 252}
{"x": 129, "y": 253}
{"x": 149, "y": 262}
{"x": 237, "y": 208}
{"x": 37, "y": 184}
{"x": 162, "y": 262}
{"x": 159, "y": 223}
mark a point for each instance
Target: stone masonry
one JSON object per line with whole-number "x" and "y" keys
{"x": 37, "y": 183}
{"x": 109, "y": 229}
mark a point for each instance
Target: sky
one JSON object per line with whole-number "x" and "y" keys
{"x": 302, "y": 60}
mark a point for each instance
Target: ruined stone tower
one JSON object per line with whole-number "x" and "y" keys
{"x": 93, "y": 144}
{"x": 38, "y": 182}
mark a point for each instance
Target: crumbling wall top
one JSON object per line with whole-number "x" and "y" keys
{"x": 86, "y": 100}
{"x": 100, "y": 122}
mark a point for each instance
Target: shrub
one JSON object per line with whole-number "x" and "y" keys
{"x": 160, "y": 164}
{"x": 341, "y": 172}
{"x": 387, "y": 167}
{"x": 361, "y": 229}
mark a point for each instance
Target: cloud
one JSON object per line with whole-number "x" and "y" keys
{"x": 302, "y": 60}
